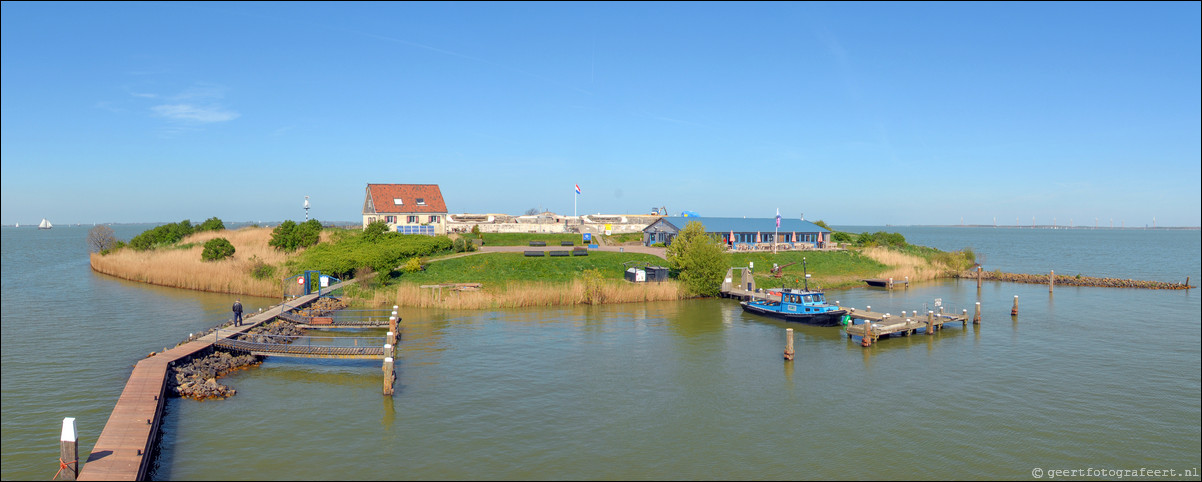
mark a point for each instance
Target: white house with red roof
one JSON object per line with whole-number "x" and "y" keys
{"x": 406, "y": 208}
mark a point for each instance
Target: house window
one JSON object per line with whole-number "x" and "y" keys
{"x": 434, "y": 219}
{"x": 398, "y": 201}
{"x": 421, "y": 201}
{"x": 411, "y": 220}
{"x": 390, "y": 219}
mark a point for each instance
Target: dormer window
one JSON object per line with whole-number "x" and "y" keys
{"x": 398, "y": 201}
{"x": 421, "y": 201}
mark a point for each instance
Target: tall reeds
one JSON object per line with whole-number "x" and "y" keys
{"x": 182, "y": 267}
{"x": 516, "y": 294}
{"x": 902, "y": 265}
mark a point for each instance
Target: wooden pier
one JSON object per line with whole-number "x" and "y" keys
{"x": 876, "y": 325}
{"x": 745, "y": 289}
{"x": 122, "y": 452}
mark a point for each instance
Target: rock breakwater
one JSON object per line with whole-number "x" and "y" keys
{"x": 197, "y": 379}
{"x": 1074, "y": 280}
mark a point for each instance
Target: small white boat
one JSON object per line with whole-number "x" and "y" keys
{"x": 45, "y": 224}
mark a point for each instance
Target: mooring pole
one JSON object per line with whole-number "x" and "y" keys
{"x": 1051, "y": 280}
{"x": 978, "y": 278}
{"x": 1014, "y": 311}
{"x": 389, "y": 376}
{"x": 68, "y": 452}
{"x": 789, "y": 344}
{"x": 930, "y": 322}
{"x": 965, "y": 313}
{"x": 976, "y": 318}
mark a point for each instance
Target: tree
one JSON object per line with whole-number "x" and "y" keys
{"x": 531, "y": 211}
{"x": 822, "y": 224}
{"x": 101, "y": 239}
{"x": 700, "y": 259}
{"x": 216, "y": 249}
{"x": 374, "y": 230}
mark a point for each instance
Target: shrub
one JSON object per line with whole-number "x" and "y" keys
{"x": 260, "y": 270}
{"x": 211, "y": 224}
{"x": 374, "y": 230}
{"x": 594, "y": 284}
{"x": 476, "y": 229}
{"x": 216, "y": 249}
{"x": 162, "y": 235}
{"x": 413, "y": 265}
{"x": 289, "y": 236}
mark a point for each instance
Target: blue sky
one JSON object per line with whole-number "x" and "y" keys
{"x": 853, "y": 113}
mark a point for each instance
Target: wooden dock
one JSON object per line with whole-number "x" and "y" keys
{"x": 122, "y": 452}
{"x": 875, "y": 325}
{"x": 745, "y": 289}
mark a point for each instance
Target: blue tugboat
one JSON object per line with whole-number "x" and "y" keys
{"x": 802, "y": 306}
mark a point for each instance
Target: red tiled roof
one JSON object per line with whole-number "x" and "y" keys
{"x": 381, "y": 197}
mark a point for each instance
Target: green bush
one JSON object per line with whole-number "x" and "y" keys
{"x": 382, "y": 255}
{"x": 216, "y": 249}
{"x": 164, "y": 235}
{"x": 289, "y": 236}
{"x": 413, "y": 265}
{"x": 211, "y": 224}
{"x": 260, "y": 270}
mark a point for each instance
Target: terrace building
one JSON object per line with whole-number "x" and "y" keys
{"x": 744, "y": 234}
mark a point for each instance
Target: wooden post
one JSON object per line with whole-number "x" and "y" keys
{"x": 1187, "y": 282}
{"x": 68, "y": 452}
{"x": 789, "y": 344}
{"x": 978, "y": 278}
{"x": 965, "y": 320}
{"x": 1051, "y": 280}
{"x": 890, "y": 284}
{"x": 1014, "y": 311}
{"x": 976, "y": 318}
{"x": 907, "y": 282}
{"x": 930, "y": 322}
{"x": 389, "y": 376}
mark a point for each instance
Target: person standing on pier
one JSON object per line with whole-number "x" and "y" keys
{"x": 237, "y": 312}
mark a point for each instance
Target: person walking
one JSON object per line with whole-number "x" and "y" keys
{"x": 237, "y": 312}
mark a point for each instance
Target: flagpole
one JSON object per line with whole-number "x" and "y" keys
{"x": 776, "y": 232}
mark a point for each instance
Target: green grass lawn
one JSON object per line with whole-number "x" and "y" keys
{"x": 524, "y": 239}
{"x": 830, "y": 269}
{"x": 498, "y": 268}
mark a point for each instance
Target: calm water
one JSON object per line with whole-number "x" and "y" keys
{"x": 1086, "y": 377}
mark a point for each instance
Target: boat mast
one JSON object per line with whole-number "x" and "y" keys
{"x": 805, "y": 274}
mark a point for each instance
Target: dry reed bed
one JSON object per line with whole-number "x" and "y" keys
{"x": 523, "y": 294}
{"x": 903, "y": 265}
{"x": 183, "y": 268}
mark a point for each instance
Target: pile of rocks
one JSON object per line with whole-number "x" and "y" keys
{"x": 198, "y": 379}
{"x": 324, "y": 306}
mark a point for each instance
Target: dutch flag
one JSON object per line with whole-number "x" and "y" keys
{"x": 577, "y": 189}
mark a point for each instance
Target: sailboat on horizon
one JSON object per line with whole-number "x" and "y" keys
{"x": 45, "y": 224}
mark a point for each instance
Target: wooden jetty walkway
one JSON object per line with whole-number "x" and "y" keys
{"x": 745, "y": 289}
{"x": 875, "y": 325}
{"x": 122, "y": 452}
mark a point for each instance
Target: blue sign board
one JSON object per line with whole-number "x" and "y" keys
{"x": 588, "y": 237}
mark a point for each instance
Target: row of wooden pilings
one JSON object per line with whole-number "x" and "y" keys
{"x": 976, "y": 320}
{"x": 390, "y": 353}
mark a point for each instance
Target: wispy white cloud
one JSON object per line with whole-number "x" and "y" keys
{"x": 194, "y": 113}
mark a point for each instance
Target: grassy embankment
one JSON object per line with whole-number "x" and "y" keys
{"x": 514, "y": 280}
{"x": 180, "y": 266}
{"x": 846, "y": 269}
